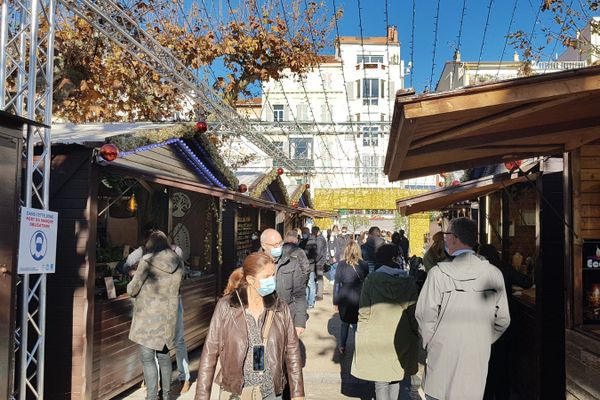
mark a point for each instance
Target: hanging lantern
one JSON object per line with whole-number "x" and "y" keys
{"x": 109, "y": 152}
{"x": 243, "y": 188}
{"x": 280, "y": 171}
{"x": 132, "y": 204}
{"x": 201, "y": 126}
{"x": 513, "y": 165}
{"x": 295, "y": 204}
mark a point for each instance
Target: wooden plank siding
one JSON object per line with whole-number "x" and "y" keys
{"x": 69, "y": 296}
{"x": 583, "y": 350}
{"x": 116, "y": 365}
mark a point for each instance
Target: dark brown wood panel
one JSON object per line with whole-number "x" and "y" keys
{"x": 116, "y": 365}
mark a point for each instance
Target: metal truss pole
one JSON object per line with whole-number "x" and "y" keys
{"x": 26, "y": 83}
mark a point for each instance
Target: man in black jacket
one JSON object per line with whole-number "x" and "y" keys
{"x": 316, "y": 252}
{"x": 292, "y": 275}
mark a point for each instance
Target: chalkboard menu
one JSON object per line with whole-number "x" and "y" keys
{"x": 591, "y": 282}
{"x": 244, "y": 238}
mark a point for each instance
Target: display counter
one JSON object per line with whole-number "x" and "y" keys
{"x": 116, "y": 364}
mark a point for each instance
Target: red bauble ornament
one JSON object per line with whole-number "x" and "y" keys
{"x": 243, "y": 188}
{"x": 280, "y": 171}
{"x": 295, "y": 204}
{"x": 201, "y": 126}
{"x": 455, "y": 182}
{"x": 109, "y": 152}
{"x": 513, "y": 165}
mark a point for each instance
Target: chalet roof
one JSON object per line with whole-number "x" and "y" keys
{"x": 495, "y": 122}
{"x": 470, "y": 190}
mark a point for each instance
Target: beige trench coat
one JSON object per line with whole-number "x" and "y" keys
{"x": 462, "y": 310}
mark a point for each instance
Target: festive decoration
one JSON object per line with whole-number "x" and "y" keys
{"x": 295, "y": 204}
{"x": 513, "y": 165}
{"x": 307, "y": 185}
{"x": 260, "y": 185}
{"x": 301, "y": 192}
{"x": 109, "y": 152}
{"x": 280, "y": 171}
{"x": 175, "y": 134}
{"x": 242, "y": 188}
{"x": 201, "y": 126}
{"x": 455, "y": 182}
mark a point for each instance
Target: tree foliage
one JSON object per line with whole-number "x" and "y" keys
{"x": 567, "y": 24}
{"x": 96, "y": 80}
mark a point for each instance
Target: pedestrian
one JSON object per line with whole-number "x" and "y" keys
{"x": 316, "y": 252}
{"x": 436, "y": 252}
{"x": 497, "y": 385}
{"x": 372, "y": 243}
{"x": 304, "y": 236}
{"x": 293, "y": 269}
{"x": 349, "y": 277}
{"x": 252, "y": 335}
{"x": 462, "y": 309}
{"x": 404, "y": 244}
{"x": 387, "y": 338}
{"x": 155, "y": 288}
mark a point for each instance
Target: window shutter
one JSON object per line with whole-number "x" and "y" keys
{"x": 286, "y": 113}
{"x": 357, "y": 167}
{"x": 323, "y": 113}
{"x": 350, "y": 90}
{"x": 358, "y": 89}
{"x": 392, "y": 90}
{"x": 383, "y": 88}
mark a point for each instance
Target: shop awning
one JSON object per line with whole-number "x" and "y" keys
{"x": 491, "y": 123}
{"x": 445, "y": 197}
{"x": 309, "y": 212}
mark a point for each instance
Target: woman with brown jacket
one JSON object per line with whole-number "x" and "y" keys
{"x": 252, "y": 335}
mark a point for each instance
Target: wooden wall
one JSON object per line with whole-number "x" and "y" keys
{"x": 70, "y": 295}
{"x": 116, "y": 362}
{"x": 583, "y": 348}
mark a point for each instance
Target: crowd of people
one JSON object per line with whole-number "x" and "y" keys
{"x": 452, "y": 304}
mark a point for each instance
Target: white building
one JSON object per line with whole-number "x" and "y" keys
{"x": 334, "y": 121}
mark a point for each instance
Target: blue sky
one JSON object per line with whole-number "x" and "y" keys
{"x": 474, "y": 23}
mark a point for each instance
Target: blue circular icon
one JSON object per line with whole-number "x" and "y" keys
{"x": 38, "y": 245}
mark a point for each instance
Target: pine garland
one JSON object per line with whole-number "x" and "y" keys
{"x": 264, "y": 183}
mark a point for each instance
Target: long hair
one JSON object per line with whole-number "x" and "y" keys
{"x": 438, "y": 246}
{"x": 252, "y": 265}
{"x": 352, "y": 254}
{"x": 157, "y": 241}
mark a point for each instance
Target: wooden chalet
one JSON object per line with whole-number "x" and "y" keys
{"x": 556, "y": 118}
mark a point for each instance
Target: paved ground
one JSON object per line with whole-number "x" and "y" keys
{"x": 326, "y": 372}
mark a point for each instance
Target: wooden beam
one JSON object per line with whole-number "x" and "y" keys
{"x": 494, "y": 119}
{"x": 404, "y": 134}
{"x": 514, "y": 92}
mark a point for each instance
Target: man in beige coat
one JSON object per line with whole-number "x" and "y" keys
{"x": 461, "y": 311}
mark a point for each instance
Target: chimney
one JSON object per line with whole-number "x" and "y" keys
{"x": 392, "y": 34}
{"x": 516, "y": 57}
{"x": 457, "y": 55}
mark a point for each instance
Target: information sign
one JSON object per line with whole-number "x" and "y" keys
{"x": 37, "y": 241}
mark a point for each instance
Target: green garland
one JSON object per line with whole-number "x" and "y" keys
{"x": 128, "y": 142}
{"x": 264, "y": 183}
{"x": 297, "y": 194}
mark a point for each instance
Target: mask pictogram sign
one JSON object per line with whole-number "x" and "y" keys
{"x": 37, "y": 241}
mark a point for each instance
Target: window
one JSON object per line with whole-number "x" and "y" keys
{"x": 370, "y": 169}
{"x": 301, "y": 148}
{"x": 369, "y": 59}
{"x": 370, "y": 92}
{"x": 302, "y": 112}
{"x": 278, "y": 112}
{"x": 370, "y": 136}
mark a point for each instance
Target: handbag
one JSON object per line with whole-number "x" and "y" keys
{"x": 251, "y": 392}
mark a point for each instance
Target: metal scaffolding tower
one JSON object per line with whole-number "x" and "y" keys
{"x": 26, "y": 72}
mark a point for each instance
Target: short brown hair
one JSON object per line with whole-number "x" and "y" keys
{"x": 465, "y": 230}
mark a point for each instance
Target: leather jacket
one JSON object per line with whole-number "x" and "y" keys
{"x": 227, "y": 341}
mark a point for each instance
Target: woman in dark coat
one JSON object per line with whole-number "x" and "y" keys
{"x": 349, "y": 277}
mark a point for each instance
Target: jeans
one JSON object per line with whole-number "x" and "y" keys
{"x": 387, "y": 390}
{"x": 344, "y": 327}
{"x": 148, "y": 357}
{"x": 183, "y": 364}
{"x": 319, "y": 287}
{"x": 311, "y": 290}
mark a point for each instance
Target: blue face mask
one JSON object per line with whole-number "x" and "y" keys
{"x": 305, "y": 236}
{"x": 267, "y": 286}
{"x": 276, "y": 252}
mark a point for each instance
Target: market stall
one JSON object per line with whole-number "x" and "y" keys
{"x": 108, "y": 196}
{"x": 546, "y": 115}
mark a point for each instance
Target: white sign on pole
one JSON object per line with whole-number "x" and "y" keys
{"x": 37, "y": 241}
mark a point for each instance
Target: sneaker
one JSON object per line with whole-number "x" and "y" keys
{"x": 185, "y": 387}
